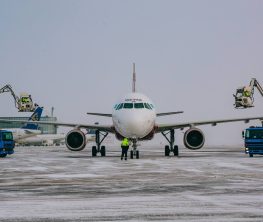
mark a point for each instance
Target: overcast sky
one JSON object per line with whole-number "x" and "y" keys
{"x": 190, "y": 55}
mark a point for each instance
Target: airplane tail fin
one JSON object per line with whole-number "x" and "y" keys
{"x": 133, "y": 79}
{"x": 34, "y": 117}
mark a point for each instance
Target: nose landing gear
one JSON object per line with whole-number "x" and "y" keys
{"x": 134, "y": 152}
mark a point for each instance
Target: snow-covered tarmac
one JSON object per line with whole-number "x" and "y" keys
{"x": 54, "y": 184}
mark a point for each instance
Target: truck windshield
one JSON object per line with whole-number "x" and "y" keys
{"x": 7, "y": 136}
{"x": 254, "y": 134}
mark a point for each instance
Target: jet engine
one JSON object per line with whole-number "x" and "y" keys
{"x": 75, "y": 140}
{"x": 194, "y": 139}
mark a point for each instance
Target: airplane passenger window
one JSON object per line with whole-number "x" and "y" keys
{"x": 138, "y": 105}
{"x": 128, "y": 105}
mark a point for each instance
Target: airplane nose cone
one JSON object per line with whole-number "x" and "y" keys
{"x": 137, "y": 126}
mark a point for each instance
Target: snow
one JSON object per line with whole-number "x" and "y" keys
{"x": 54, "y": 184}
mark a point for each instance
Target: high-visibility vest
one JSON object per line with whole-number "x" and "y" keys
{"x": 246, "y": 93}
{"x": 125, "y": 142}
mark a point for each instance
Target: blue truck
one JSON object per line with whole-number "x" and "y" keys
{"x": 253, "y": 137}
{"x": 7, "y": 143}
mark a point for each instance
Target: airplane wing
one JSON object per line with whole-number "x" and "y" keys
{"x": 106, "y": 128}
{"x": 165, "y": 127}
{"x": 100, "y": 114}
{"x": 169, "y": 113}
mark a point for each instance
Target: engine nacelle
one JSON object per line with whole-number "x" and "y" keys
{"x": 194, "y": 139}
{"x": 75, "y": 140}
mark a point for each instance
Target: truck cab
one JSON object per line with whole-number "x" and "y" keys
{"x": 7, "y": 143}
{"x": 253, "y": 138}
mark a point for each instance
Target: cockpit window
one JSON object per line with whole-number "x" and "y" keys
{"x": 147, "y": 106}
{"x": 119, "y": 106}
{"x": 128, "y": 105}
{"x": 138, "y": 105}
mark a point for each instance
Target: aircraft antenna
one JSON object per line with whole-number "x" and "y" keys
{"x": 133, "y": 78}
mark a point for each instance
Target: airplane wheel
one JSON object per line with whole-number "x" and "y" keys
{"x": 103, "y": 151}
{"x": 176, "y": 150}
{"x": 167, "y": 150}
{"x": 137, "y": 154}
{"x": 131, "y": 153}
{"x": 94, "y": 151}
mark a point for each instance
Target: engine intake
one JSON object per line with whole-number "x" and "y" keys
{"x": 75, "y": 140}
{"x": 194, "y": 139}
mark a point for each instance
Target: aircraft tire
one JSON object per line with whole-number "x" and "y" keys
{"x": 137, "y": 154}
{"x": 167, "y": 150}
{"x": 131, "y": 154}
{"x": 176, "y": 150}
{"x": 103, "y": 151}
{"x": 94, "y": 151}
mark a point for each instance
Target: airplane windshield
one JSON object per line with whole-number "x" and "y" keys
{"x": 138, "y": 105}
{"x": 133, "y": 105}
{"x": 147, "y": 106}
{"x": 128, "y": 105}
{"x": 119, "y": 106}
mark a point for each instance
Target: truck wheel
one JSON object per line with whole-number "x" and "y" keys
{"x": 250, "y": 155}
{"x": 3, "y": 155}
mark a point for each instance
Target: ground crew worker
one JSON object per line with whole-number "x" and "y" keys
{"x": 124, "y": 148}
{"x": 247, "y": 92}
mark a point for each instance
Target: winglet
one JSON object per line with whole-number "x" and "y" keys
{"x": 133, "y": 79}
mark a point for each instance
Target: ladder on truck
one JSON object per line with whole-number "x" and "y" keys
{"x": 24, "y": 103}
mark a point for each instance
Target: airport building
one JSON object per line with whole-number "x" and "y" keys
{"x": 45, "y": 129}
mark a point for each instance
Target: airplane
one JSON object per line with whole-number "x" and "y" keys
{"x": 43, "y": 140}
{"x": 29, "y": 129}
{"x": 49, "y": 139}
{"x": 134, "y": 117}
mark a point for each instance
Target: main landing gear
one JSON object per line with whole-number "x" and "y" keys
{"x": 134, "y": 152}
{"x": 170, "y": 148}
{"x": 98, "y": 148}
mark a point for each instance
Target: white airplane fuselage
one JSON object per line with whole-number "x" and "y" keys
{"x": 19, "y": 133}
{"x": 134, "y": 116}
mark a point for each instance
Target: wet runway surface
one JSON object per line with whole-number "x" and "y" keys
{"x": 54, "y": 184}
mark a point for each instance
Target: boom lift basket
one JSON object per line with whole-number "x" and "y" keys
{"x": 244, "y": 95}
{"x": 25, "y": 103}
{"x": 242, "y": 101}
